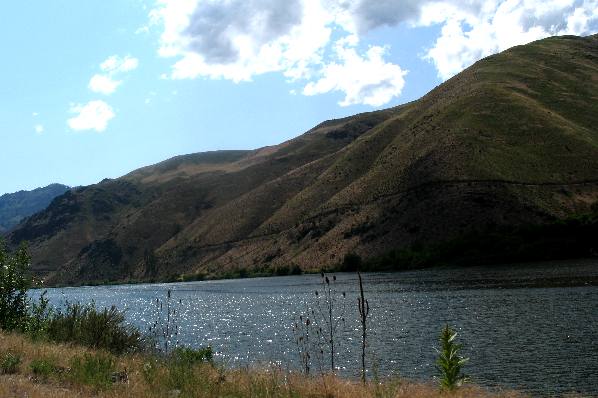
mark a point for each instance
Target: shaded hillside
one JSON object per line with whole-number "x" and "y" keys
{"x": 14, "y": 207}
{"x": 511, "y": 141}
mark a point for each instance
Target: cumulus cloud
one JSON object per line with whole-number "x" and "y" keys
{"x": 103, "y": 84}
{"x": 106, "y": 83}
{"x": 240, "y": 39}
{"x": 364, "y": 79}
{"x": 237, "y": 40}
{"x": 94, "y": 115}
{"x": 115, "y": 64}
{"x": 466, "y": 37}
{"x": 39, "y": 129}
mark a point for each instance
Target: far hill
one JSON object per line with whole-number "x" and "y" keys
{"x": 508, "y": 145}
{"x": 14, "y": 207}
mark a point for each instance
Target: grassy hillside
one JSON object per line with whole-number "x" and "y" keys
{"x": 510, "y": 142}
{"x": 16, "y": 206}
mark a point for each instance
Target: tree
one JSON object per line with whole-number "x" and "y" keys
{"x": 15, "y": 280}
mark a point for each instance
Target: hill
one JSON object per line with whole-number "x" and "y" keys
{"x": 14, "y": 207}
{"x": 510, "y": 142}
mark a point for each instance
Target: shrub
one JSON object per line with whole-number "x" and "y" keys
{"x": 449, "y": 362}
{"x": 38, "y": 318}
{"x": 14, "y": 282}
{"x": 99, "y": 329}
{"x": 9, "y": 363}
{"x": 93, "y": 370}
{"x": 190, "y": 357}
{"x": 43, "y": 367}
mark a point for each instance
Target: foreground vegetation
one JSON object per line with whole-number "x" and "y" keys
{"x": 80, "y": 350}
{"x": 59, "y": 370}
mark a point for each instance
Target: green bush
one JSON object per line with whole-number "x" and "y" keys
{"x": 93, "y": 370}
{"x": 38, "y": 318}
{"x": 43, "y": 367}
{"x": 9, "y": 363}
{"x": 450, "y": 362}
{"x": 99, "y": 329}
{"x": 14, "y": 283}
{"x": 190, "y": 357}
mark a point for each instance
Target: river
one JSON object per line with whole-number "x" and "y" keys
{"x": 529, "y": 327}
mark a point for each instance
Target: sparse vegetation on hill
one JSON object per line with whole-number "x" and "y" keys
{"x": 503, "y": 152}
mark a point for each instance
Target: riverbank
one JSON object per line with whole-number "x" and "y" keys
{"x": 569, "y": 239}
{"x": 65, "y": 371}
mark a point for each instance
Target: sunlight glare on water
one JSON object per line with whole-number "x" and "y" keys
{"x": 532, "y": 328}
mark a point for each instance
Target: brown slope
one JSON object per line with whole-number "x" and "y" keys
{"x": 511, "y": 140}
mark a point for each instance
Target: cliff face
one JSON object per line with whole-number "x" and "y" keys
{"x": 511, "y": 140}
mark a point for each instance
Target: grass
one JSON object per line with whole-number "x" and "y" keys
{"x": 43, "y": 367}
{"x": 95, "y": 370}
{"x": 74, "y": 371}
{"x": 9, "y": 363}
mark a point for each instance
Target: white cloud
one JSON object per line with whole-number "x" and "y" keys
{"x": 103, "y": 84}
{"x": 363, "y": 79}
{"x": 116, "y": 64}
{"x": 466, "y": 37}
{"x": 240, "y": 39}
{"x": 39, "y": 129}
{"x": 94, "y": 115}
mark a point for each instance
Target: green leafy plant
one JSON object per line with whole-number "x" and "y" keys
{"x": 9, "y": 363}
{"x": 38, "y": 318}
{"x": 95, "y": 370}
{"x": 450, "y": 362}
{"x": 190, "y": 356}
{"x": 43, "y": 367}
{"x": 14, "y": 283}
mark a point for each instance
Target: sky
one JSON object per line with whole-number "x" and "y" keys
{"x": 95, "y": 89}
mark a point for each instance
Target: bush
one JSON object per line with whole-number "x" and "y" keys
{"x": 190, "y": 357}
{"x": 93, "y": 370}
{"x": 14, "y": 282}
{"x": 99, "y": 329}
{"x": 38, "y": 318}
{"x": 9, "y": 363}
{"x": 43, "y": 367}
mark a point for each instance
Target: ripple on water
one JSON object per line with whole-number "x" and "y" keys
{"x": 520, "y": 329}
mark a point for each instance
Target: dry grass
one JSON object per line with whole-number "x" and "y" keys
{"x": 148, "y": 377}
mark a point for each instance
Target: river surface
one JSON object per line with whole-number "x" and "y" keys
{"x": 529, "y": 327}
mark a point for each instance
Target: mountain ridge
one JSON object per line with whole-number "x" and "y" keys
{"x": 509, "y": 141}
{"x": 16, "y": 206}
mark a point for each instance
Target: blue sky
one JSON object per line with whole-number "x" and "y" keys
{"x": 95, "y": 89}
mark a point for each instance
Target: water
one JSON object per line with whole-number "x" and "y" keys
{"x": 532, "y": 328}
